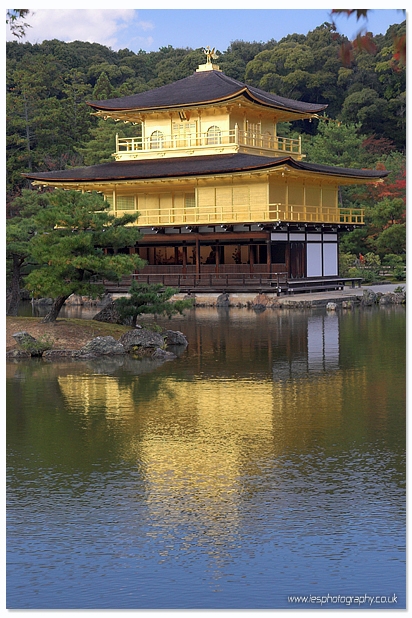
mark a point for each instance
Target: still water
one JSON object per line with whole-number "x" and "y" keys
{"x": 267, "y": 461}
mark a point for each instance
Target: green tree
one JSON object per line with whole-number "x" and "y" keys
{"x": 355, "y": 242}
{"x": 103, "y": 88}
{"x": 303, "y": 68}
{"x": 367, "y": 109}
{"x": 70, "y": 248}
{"x": 234, "y": 60}
{"x": 150, "y": 298}
{"x": 387, "y": 212}
{"x": 45, "y": 118}
{"x": 76, "y": 91}
{"x": 392, "y": 240}
{"x": 336, "y": 144}
{"x": 102, "y": 145}
{"x": 20, "y": 230}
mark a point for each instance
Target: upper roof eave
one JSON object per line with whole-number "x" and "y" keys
{"x": 202, "y": 89}
{"x": 166, "y": 107}
{"x": 244, "y": 92}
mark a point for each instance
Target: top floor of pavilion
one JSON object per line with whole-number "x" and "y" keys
{"x": 205, "y": 113}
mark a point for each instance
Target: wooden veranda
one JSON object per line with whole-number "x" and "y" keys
{"x": 278, "y": 283}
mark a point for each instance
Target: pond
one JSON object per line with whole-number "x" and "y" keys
{"x": 264, "y": 468}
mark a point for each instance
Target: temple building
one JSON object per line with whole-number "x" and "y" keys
{"x": 216, "y": 187}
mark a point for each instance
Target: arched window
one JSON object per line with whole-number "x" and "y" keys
{"x": 214, "y": 135}
{"x": 156, "y": 140}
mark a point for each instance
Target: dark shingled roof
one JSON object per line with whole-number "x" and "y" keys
{"x": 193, "y": 166}
{"x": 200, "y": 88}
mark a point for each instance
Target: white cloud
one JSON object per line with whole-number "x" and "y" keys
{"x": 93, "y": 25}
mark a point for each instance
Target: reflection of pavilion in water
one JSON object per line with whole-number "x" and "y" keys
{"x": 203, "y": 443}
{"x": 321, "y": 354}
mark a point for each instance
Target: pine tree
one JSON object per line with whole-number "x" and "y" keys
{"x": 150, "y": 298}
{"x": 70, "y": 248}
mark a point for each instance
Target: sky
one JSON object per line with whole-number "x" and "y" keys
{"x": 151, "y": 29}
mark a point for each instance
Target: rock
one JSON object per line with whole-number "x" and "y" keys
{"x": 58, "y": 354}
{"x": 369, "y": 298}
{"x": 110, "y": 314}
{"x": 102, "y": 346}
{"x": 24, "y": 338}
{"x": 141, "y": 338}
{"x": 175, "y": 337}
{"x": 17, "y": 354}
{"x": 347, "y": 304}
{"x": 75, "y": 300}
{"x": 392, "y": 298}
{"x": 30, "y": 344}
{"x": 223, "y": 300}
{"x": 261, "y": 300}
{"x": 386, "y": 299}
{"x": 258, "y": 308}
{"x": 399, "y": 298}
{"x": 331, "y": 307}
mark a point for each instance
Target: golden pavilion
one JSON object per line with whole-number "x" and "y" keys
{"x": 216, "y": 187}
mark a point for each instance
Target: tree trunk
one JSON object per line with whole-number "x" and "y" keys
{"x": 13, "y": 298}
{"x": 26, "y": 117}
{"x": 55, "y": 309}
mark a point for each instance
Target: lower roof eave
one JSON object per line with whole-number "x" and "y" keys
{"x": 191, "y": 167}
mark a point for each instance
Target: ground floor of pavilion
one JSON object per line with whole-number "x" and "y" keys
{"x": 297, "y": 251}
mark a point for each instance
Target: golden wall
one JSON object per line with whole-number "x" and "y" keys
{"x": 231, "y": 199}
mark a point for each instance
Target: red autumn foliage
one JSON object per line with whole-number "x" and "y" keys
{"x": 391, "y": 189}
{"x": 364, "y": 42}
{"x": 399, "y": 56}
{"x": 378, "y": 145}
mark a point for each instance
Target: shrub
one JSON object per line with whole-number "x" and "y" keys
{"x": 38, "y": 346}
{"x": 399, "y": 273}
{"x": 397, "y": 265}
{"x": 346, "y": 262}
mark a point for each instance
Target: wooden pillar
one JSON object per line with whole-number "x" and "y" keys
{"x": 217, "y": 258}
{"x": 287, "y": 258}
{"x": 197, "y": 256}
{"x": 176, "y": 255}
{"x": 303, "y": 260}
{"x": 251, "y": 258}
{"x": 184, "y": 251}
{"x": 269, "y": 254}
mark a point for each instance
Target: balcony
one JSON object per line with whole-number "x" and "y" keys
{"x": 273, "y": 213}
{"x": 216, "y": 142}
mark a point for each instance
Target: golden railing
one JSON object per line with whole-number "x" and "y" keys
{"x": 234, "y": 136}
{"x": 245, "y": 214}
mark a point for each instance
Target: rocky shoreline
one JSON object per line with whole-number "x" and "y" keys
{"x": 328, "y": 300}
{"x": 344, "y": 298}
{"x": 139, "y": 343}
